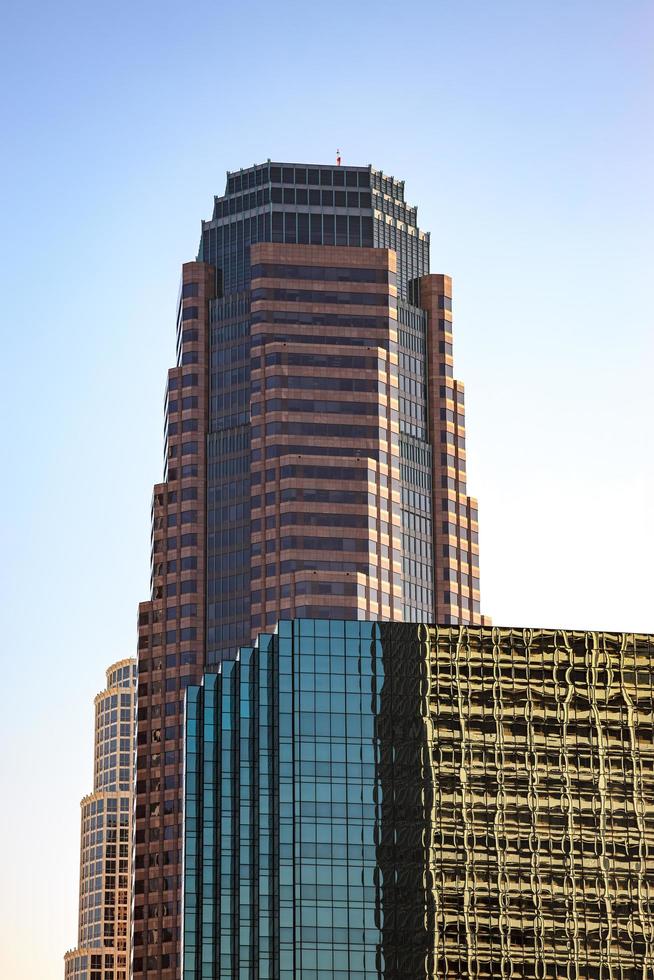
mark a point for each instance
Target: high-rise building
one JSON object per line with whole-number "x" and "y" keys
{"x": 409, "y": 802}
{"x": 105, "y": 845}
{"x": 314, "y": 462}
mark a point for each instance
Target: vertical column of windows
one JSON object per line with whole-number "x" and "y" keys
{"x": 416, "y": 468}
{"x": 229, "y": 811}
{"x": 171, "y": 638}
{"x": 455, "y": 529}
{"x": 197, "y": 823}
{"x": 228, "y": 490}
{"x": 265, "y": 879}
{"x": 246, "y": 834}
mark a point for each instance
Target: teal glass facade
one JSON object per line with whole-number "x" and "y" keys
{"x": 305, "y": 794}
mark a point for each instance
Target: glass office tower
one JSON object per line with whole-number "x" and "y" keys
{"x": 409, "y": 802}
{"x": 315, "y": 462}
{"x": 291, "y": 248}
{"x": 105, "y": 840}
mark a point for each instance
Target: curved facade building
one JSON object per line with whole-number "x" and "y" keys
{"x": 105, "y": 850}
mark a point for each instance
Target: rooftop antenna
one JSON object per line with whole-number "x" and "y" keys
{"x": 338, "y": 158}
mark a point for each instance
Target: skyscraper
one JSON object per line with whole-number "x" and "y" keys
{"x": 315, "y": 462}
{"x": 390, "y": 801}
{"x": 105, "y": 840}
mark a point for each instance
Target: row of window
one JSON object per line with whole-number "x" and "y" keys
{"x": 315, "y": 405}
{"x": 449, "y": 459}
{"x": 414, "y": 350}
{"x": 360, "y": 200}
{"x": 449, "y": 483}
{"x": 189, "y": 402}
{"x": 396, "y": 209}
{"x": 323, "y": 429}
{"x": 415, "y": 477}
{"x": 231, "y": 354}
{"x": 317, "y": 519}
{"x": 223, "y": 422}
{"x": 187, "y": 381}
{"x": 414, "y": 387}
{"x": 273, "y": 451}
{"x": 417, "y": 523}
{"x": 321, "y": 273}
{"x": 316, "y": 544}
{"x": 417, "y": 452}
{"x": 454, "y": 599}
{"x": 308, "y": 472}
{"x": 327, "y": 177}
{"x": 186, "y": 587}
{"x": 187, "y": 493}
{"x": 453, "y": 441}
{"x": 417, "y": 569}
{"x": 280, "y": 295}
{"x": 387, "y": 185}
{"x": 314, "y": 382}
{"x": 226, "y": 332}
{"x": 228, "y": 400}
{"x": 462, "y": 532}
{"x": 183, "y": 564}
{"x": 185, "y": 517}
{"x": 187, "y": 449}
{"x": 183, "y": 635}
{"x": 344, "y": 322}
{"x": 306, "y": 588}
{"x": 189, "y": 540}
{"x": 418, "y": 501}
{"x": 325, "y": 228}
{"x": 321, "y": 360}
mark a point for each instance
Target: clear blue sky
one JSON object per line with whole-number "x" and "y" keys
{"x": 524, "y": 133}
